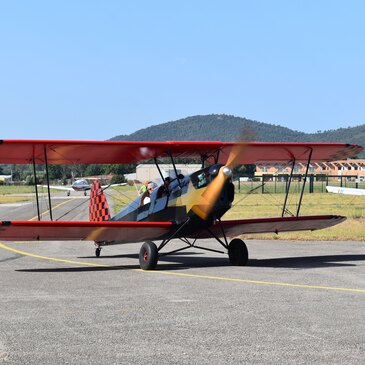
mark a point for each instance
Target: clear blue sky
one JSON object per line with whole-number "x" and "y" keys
{"x": 96, "y": 69}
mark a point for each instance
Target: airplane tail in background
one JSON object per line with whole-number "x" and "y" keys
{"x": 98, "y": 205}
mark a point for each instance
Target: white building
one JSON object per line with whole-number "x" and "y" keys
{"x": 149, "y": 172}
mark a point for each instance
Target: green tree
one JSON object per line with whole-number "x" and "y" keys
{"x": 55, "y": 172}
{"x": 93, "y": 170}
{"x": 117, "y": 179}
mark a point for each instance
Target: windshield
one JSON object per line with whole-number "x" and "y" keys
{"x": 203, "y": 177}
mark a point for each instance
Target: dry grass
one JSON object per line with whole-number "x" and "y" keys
{"x": 122, "y": 196}
{"x": 267, "y": 205}
{"x": 8, "y": 199}
{"x": 14, "y": 189}
{"x": 258, "y": 205}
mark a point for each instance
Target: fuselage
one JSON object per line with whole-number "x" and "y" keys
{"x": 81, "y": 185}
{"x": 175, "y": 202}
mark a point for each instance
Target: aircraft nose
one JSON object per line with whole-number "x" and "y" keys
{"x": 227, "y": 171}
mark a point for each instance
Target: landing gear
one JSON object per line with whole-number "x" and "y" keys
{"x": 237, "y": 252}
{"x": 148, "y": 256}
{"x": 85, "y": 193}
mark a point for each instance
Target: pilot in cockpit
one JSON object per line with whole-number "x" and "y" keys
{"x": 146, "y": 196}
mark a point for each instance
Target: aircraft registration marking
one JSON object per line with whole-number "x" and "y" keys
{"x": 197, "y": 276}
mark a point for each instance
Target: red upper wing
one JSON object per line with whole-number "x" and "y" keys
{"x": 123, "y": 232}
{"x": 86, "y": 152}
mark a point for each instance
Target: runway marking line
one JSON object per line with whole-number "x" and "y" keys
{"x": 218, "y": 278}
{"x": 47, "y": 211}
{"x": 253, "y": 281}
{"x": 36, "y": 217}
{"x": 50, "y": 258}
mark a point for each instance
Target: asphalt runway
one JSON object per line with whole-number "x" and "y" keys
{"x": 296, "y": 302}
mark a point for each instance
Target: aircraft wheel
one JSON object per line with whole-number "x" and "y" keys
{"x": 237, "y": 252}
{"x": 97, "y": 251}
{"x": 148, "y": 256}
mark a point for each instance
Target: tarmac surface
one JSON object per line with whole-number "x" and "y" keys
{"x": 296, "y": 302}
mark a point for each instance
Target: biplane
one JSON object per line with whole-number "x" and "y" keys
{"x": 186, "y": 208}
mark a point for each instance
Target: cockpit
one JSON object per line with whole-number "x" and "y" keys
{"x": 203, "y": 177}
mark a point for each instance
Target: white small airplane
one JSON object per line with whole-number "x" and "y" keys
{"x": 345, "y": 191}
{"x": 81, "y": 185}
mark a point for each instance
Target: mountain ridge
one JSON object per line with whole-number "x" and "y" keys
{"x": 222, "y": 127}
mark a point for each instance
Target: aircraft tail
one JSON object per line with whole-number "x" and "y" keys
{"x": 98, "y": 205}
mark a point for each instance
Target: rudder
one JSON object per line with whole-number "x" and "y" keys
{"x": 98, "y": 205}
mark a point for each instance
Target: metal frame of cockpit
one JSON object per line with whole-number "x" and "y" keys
{"x": 191, "y": 242}
{"x": 204, "y": 159}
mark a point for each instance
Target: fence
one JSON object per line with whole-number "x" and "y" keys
{"x": 279, "y": 184}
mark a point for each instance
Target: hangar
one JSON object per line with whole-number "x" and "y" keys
{"x": 149, "y": 172}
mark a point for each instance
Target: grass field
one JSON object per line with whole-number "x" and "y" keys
{"x": 15, "y": 189}
{"x": 255, "y": 205}
{"x": 269, "y": 205}
{"x": 9, "y": 199}
{"x": 7, "y": 193}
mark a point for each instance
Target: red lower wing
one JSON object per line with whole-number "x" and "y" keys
{"x": 234, "y": 228}
{"x": 123, "y": 232}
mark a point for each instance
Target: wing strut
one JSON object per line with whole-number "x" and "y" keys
{"x": 288, "y": 188}
{"x": 306, "y": 174}
{"x": 206, "y": 157}
{"x": 36, "y": 189}
{"x": 174, "y": 166}
{"x": 49, "y": 193}
{"x": 158, "y": 168}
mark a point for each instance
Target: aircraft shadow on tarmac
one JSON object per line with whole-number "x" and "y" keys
{"x": 308, "y": 262}
{"x": 185, "y": 261}
{"x": 176, "y": 261}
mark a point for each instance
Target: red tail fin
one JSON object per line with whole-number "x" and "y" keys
{"x": 98, "y": 205}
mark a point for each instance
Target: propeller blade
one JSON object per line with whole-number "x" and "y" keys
{"x": 207, "y": 200}
{"x": 236, "y": 152}
{"x": 239, "y": 149}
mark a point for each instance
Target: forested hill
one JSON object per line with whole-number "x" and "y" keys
{"x": 227, "y": 128}
{"x": 211, "y": 128}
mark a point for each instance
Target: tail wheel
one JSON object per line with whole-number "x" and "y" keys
{"x": 237, "y": 252}
{"x": 148, "y": 256}
{"x": 97, "y": 251}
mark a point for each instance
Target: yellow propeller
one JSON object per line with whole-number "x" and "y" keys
{"x": 206, "y": 201}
